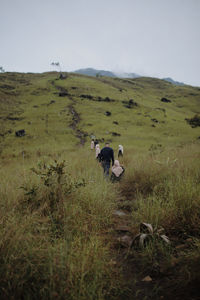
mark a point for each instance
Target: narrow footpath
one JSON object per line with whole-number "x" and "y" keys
{"x": 74, "y": 125}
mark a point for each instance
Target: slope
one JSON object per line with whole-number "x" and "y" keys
{"x": 59, "y": 114}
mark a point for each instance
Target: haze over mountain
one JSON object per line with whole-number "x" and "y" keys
{"x": 95, "y": 72}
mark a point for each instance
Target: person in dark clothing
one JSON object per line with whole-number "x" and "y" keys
{"x": 105, "y": 157}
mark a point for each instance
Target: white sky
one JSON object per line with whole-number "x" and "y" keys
{"x": 159, "y": 38}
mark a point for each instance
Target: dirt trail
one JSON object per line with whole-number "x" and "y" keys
{"x": 80, "y": 134}
{"x": 75, "y": 121}
{"x": 140, "y": 279}
{"x": 129, "y": 268}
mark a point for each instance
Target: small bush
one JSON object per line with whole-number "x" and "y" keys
{"x": 52, "y": 243}
{"x": 194, "y": 122}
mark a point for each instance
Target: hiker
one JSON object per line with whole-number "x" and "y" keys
{"x": 97, "y": 149}
{"x": 95, "y": 143}
{"x": 120, "y": 151}
{"x": 92, "y": 145}
{"x": 117, "y": 171}
{"x": 105, "y": 157}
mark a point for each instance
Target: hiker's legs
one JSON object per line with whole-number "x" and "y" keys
{"x": 120, "y": 153}
{"x": 106, "y": 167}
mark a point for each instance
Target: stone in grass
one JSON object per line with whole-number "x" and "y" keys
{"x": 119, "y": 213}
{"x": 165, "y": 100}
{"x": 20, "y": 133}
{"x": 147, "y": 279}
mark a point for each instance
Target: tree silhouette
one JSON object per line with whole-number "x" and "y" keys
{"x": 56, "y": 64}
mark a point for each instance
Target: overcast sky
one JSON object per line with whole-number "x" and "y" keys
{"x": 159, "y": 38}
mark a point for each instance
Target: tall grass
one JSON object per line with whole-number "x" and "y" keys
{"x": 55, "y": 219}
{"x": 164, "y": 190}
{"x": 52, "y": 235}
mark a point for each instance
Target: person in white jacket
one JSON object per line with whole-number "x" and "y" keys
{"x": 120, "y": 151}
{"x": 117, "y": 171}
{"x": 97, "y": 149}
{"x": 92, "y": 145}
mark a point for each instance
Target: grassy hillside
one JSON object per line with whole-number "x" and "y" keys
{"x": 65, "y": 231}
{"x": 34, "y": 102}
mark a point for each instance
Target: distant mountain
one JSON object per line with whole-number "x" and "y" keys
{"x": 95, "y": 72}
{"x": 172, "y": 81}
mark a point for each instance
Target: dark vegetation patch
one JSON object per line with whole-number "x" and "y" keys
{"x": 165, "y": 100}
{"x": 106, "y": 99}
{"x": 62, "y": 91}
{"x": 63, "y": 94}
{"x": 51, "y": 102}
{"x": 7, "y": 87}
{"x": 20, "y": 133}
{"x": 99, "y": 98}
{"x": 154, "y": 120}
{"x": 194, "y": 122}
{"x": 90, "y": 97}
{"x": 130, "y": 104}
{"x": 13, "y": 118}
{"x": 115, "y": 134}
{"x": 115, "y": 122}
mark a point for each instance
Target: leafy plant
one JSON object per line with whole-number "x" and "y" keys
{"x": 55, "y": 184}
{"x": 147, "y": 233}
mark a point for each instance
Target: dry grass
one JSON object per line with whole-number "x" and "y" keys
{"x": 52, "y": 242}
{"x": 165, "y": 192}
